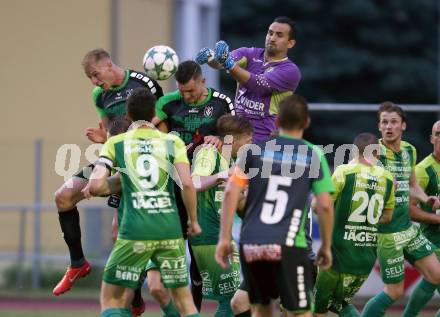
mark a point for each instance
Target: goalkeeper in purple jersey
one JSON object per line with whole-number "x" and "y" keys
{"x": 264, "y": 76}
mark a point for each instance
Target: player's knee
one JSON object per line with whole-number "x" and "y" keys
{"x": 240, "y": 302}
{"x": 436, "y": 278}
{"x": 59, "y": 198}
{"x": 430, "y": 267}
{"x": 433, "y": 277}
{"x": 115, "y": 229}
{"x": 235, "y": 306}
{"x": 395, "y": 291}
{"x": 63, "y": 199}
{"x": 158, "y": 291}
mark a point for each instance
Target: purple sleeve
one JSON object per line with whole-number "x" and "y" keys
{"x": 241, "y": 52}
{"x": 284, "y": 77}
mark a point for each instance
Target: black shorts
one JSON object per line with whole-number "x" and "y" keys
{"x": 314, "y": 270}
{"x": 290, "y": 279}
{"x": 243, "y": 286}
{"x": 313, "y": 267}
{"x": 85, "y": 172}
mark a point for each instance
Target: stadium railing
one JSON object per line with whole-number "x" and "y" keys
{"x": 32, "y": 254}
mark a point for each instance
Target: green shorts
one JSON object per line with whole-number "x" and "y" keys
{"x": 151, "y": 266}
{"x": 334, "y": 290}
{"x": 394, "y": 248}
{"x": 129, "y": 258}
{"x": 218, "y": 283}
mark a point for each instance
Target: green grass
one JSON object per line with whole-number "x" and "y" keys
{"x": 78, "y": 313}
{"x": 85, "y": 313}
{"x": 78, "y": 293}
{"x": 74, "y": 293}
{"x": 54, "y": 313}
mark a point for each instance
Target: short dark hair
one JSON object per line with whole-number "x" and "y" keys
{"x": 388, "y": 106}
{"x": 188, "y": 70}
{"x": 117, "y": 125}
{"x": 290, "y": 22}
{"x": 293, "y": 113}
{"x": 233, "y": 125}
{"x": 94, "y": 56}
{"x": 140, "y": 105}
{"x": 363, "y": 140}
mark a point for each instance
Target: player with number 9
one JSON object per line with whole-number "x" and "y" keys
{"x": 149, "y": 228}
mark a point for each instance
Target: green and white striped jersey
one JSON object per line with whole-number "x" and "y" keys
{"x": 208, "y": 162}
{"x": 361, "y": 193}
{"x": 428, "y": 176}
{"x": 400, "y": 165}
{"x": 145, "y": 159}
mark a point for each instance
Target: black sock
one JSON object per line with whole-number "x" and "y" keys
{"x": 196, "y": 281}
{"x": 137, "y": 299}
{"x": 69, "y": 221}
{"x": 196, "y": 291}
{"x": 246, "y": 313}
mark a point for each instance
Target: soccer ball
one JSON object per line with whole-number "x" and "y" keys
{"x": 160, "y": 62}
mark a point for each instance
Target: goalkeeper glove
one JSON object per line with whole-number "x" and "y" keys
{"x": 222, "y": 55}
{"x": 204, "y": 56}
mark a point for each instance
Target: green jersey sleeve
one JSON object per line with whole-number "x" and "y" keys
{"x": 180, "y": 151}
{"x": 414, "y": 155}
{"x": 338, "y": 179}
{"x": 95, "y": 94}
{"x": 108, "y": 154}
{"x": 163, "y": 101}
{"x": 324, "y": 182}
{"x": 389, "y": 193}
{"x": 422, "y": 176}
{"x": 205, "y": 161}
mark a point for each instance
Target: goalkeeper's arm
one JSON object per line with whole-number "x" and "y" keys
{"x": 224, "y": 57}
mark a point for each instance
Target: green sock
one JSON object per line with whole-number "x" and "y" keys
{"x": 170, "y": 310}
{"x": 349, "y": 311}
{"x": 224, "y": 308}
{"x": 116, "y": 312}
{"x": 421, "y": 294}
{"x": 438, "y": 313}
{"x": 377, "y": 305}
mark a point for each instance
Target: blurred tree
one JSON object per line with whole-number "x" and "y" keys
{"x": 358, "y": 51}
{"x": 349, "y": 51}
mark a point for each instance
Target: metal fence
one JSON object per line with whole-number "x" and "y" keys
{"x": 94, "y": 212}
{"x": 93, "y": 240}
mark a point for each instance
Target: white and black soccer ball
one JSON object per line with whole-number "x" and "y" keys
{"x": 160, "y": 62}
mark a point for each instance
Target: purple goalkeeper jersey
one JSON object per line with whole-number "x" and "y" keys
{"x": 258, "y": 99}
